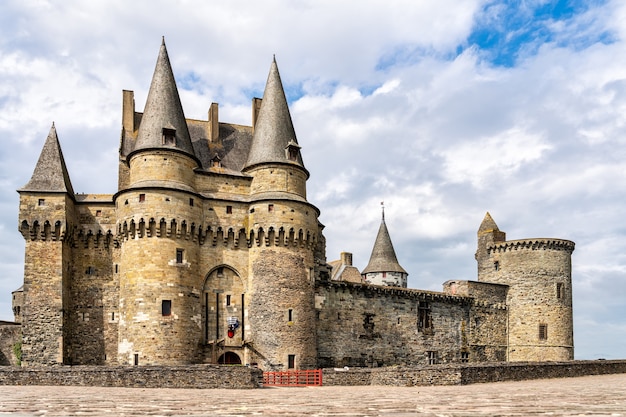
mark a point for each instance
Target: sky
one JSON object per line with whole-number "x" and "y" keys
{"x": 444, "y": 110}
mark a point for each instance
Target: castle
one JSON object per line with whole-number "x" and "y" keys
{"x": 210, "y": 252}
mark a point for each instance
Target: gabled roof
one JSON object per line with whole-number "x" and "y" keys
{"x": 383, "y": 258}
{"x": 273, "y": 131}
{"x": 50, "y": 174}
{"x": 163, "y": 110}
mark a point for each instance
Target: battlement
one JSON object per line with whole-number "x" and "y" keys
{"x": 214, "y": 235}
{"x": 532, "y": 244}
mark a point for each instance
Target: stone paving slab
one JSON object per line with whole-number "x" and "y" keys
{"x": 584, "y": 396}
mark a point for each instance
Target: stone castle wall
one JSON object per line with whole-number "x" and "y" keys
{"x": 362, "y": 325}
{"x": 10, "y": 334}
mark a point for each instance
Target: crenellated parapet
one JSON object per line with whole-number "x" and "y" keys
{"x": 532, "y": 245}
{"x": 229, "y": 236}
{"x": 46, "y": 230}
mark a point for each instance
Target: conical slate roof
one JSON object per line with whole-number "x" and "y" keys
{"x": 273, "y": 131}
{"x": 163, "y": 110}
{"x": 50, "y": 173}
{"x": 383, "y": 258}
{"x": 488, "y": 225}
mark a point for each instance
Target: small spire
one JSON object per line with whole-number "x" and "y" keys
{"x": 50, "y": 173}
{"x": 274, "y": 139}
{"x": 383, "y": 257}
{"x": 488, "y": 225}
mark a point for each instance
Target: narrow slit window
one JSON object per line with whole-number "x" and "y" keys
{"x": 227, "y": 299}
{"x": 559, "y": 290}
{"x": 191, "y": 202}
{"x": 166, "y": 307}
{"x": 136, "y": 361}
{"x": 496, "y": 265}
{"x": 543, "y": 331}
{"x": 179, "y": 256}
{"x": 290, "y": 315}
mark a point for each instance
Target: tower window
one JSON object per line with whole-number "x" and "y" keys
{"x": 142, "y": 198}
{"x": 464, "y": 357}
{"x": 90, "y": 270}
{"x": 227, "y": 299}
{"x": 191, "y": 202}
{"x": 179, "y": 256}
{"x": 98, "y": 213}
{"x": 543, "y": 331}
{"x": 169, "y": 137}
{"x": 270, "y": 207}
{"x": 559, "y": 290}
{"x": 229, "y": 209}
{"x": 41, "y": 202}
{"x": 432, "y": 357}
{"x": 290, "y": 315}
{"x": 166, "y": 307}
{"x": 496, "y": 265}
{"x": 291, "y": 361}
{"x": 136, "y": 359}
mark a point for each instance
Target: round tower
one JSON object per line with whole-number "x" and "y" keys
{"x": 539, "y": 298}
{"x": 283, "y": 228}
{"x": 158, "y": 218}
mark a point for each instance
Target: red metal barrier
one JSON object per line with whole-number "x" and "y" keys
{"x": 306, "y": 378}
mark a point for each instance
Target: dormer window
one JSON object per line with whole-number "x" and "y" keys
{"x": 169, "y": 137}
{"x": 292, "y": 150}
{"x": 216, "y": 161}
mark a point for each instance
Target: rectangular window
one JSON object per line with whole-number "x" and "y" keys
{"x": 559, "y": 290}
{"x": 136, "y": 359}
{"x": 291, "y": 361}
{"x": 432, "y": 357}
{"x": 90, "y": 270}
{"x": 227, "y": 299}
{"x": 464, "y": 357}
{"x": 117, "y": 268}
{"x": 543, "y": 331}
{"x": 142, "y": 198}
{"x": 424, "y": 320}
{"x": 41, "y": 202}
{"x": 229, "y": 209}
{"x": 191, "y": 202}
{"x": 166, "y": 307}
{"x": 179, "y": 256}
{"x": 270, "y": 207}
{"x": 98, "y": 213}
{"x": 290, "y": 315}
{"x": 113, "y": 316}
{"x": 496, "y": 265}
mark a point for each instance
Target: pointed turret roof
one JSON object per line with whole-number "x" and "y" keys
{"x": 50, "y": 173}
{"x": 163, "y": 110}
{"x": 273, "y": 132}
{"x": 488, "y": 225}
{"x": 383, "y": 258}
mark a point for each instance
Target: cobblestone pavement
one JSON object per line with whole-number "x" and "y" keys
{"x": 584, "y": 396}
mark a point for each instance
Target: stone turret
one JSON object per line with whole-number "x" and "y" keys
{"x": 538, "y": 273}
{"x": 383, "y": 267}
{"x": 284, "y": 227}
{"x": 46, "y": 215}
{"x": 158, "y": 215}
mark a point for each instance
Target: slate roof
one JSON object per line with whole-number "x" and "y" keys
{"x": 273, "y": 131}
{"x": 383, "y": 258}
{"x": 163, "y": 110}
{"x": 50, "y": 173}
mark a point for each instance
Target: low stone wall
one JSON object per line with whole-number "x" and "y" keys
{"x": 189, "y": 376}
{"x": 458, "y": 374}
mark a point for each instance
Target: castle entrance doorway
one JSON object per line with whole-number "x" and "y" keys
{"x": 224, "y": 306}
{"x": 229, "y": 358}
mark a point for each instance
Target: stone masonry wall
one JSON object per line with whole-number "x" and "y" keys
{"x": 190, "y": 376}
{"x": 10, "y": 334}
{"x": 364, "y": 325}
{"x": 463, "y": 374}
